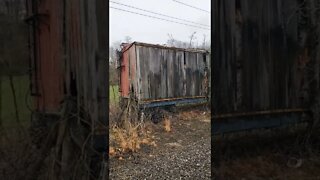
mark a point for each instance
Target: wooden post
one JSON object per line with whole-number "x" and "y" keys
{"x": 0, "y": 101}
{"x": 103, "y": 77}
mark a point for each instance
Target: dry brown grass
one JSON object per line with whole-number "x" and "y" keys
{"x": 128, "y": 140}
{"x": 194, "y": 115}
{"x": 132, "y": 133}
{"x": 130, "y": 136}
{"x": 167, "y": 124}
{"x": 112, "y": 151}
{"x": 114, "y": 111}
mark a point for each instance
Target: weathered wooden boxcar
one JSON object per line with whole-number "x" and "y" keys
{"x": 157, "y": 75}
{"x": 265, "y": 64}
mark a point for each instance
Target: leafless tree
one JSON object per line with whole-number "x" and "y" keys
{"x": 192, "y": 36}
{"x": 184, "y": 44}
{"x": 113, "y": 61}
{"x": 204, "y": 41}
{"x": 128, "y": 39}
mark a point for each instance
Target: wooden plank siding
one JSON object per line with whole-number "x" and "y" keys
{"x": 260, "y": 51}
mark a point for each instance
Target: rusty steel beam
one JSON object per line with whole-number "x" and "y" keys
{"x": 261, "y": 122}
{"x": 254, "y": 113}
{"x": 171, "y": 99}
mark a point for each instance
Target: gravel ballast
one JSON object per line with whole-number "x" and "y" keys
{"x": 184, "y": 153}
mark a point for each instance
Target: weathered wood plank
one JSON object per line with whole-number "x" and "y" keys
{"x": 257, "y": 48}
{"x": 169, "y": 73}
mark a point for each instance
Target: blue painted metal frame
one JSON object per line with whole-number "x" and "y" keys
{"x": 254, "y": 122}
{"x": 179, "y": 102}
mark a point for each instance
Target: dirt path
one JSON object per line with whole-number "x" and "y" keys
{"x": 184, "y": 153}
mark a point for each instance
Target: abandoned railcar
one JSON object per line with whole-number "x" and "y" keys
{"x": 265, "y": 64}
{"x": 157, "y": 76}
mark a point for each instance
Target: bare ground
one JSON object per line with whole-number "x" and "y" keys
{"x": 183, "y": 153}
{"x": 271, "y": 155}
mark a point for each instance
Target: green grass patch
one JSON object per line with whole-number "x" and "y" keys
{"x": 21, "y": 85}
{"x": 114, "y": 94}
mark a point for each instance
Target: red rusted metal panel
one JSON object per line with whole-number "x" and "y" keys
{"x": 133, "y": 86}
{"x": 47, "y": 54}
{"x": 124, "y": 72}
{"x": 69, "y": 42}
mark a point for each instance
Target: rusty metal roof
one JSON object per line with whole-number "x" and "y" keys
{"x": 165, "y": 47}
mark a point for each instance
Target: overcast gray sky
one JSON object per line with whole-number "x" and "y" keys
{"x": 149, "y": 30}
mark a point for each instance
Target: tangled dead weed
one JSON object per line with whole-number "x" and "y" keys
{"x": 126, "y": 141}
